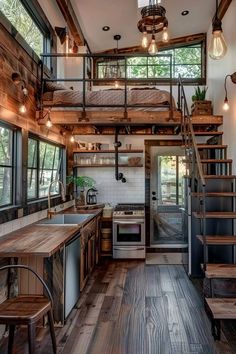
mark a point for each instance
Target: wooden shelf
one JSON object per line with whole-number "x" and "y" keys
{"x": 101, "y": 165}
{"x": 135, "y": 151}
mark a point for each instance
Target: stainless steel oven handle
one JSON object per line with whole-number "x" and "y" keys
{"x": 129, "y": 248}
{"x": 133, "y": 222}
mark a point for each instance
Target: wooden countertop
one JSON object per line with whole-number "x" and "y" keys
{"x": 40, "y": 240}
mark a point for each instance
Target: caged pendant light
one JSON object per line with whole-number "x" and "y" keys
{"x": 217, "y": 47}
{"x": 153, "y": 21}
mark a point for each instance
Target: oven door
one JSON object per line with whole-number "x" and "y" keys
{"x": 128, "y": 232}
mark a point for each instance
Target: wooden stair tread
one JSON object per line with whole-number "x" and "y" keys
{"x": 208, "y": 133}
{"x": 218, "y": 239}
{"x": 216, "y": 161}
{"x": 216, "y": 215}
{"x": 220, "y": 176}
{"x": 215, "y": 194}
{"x": 222, "y": 308}
{"x": 207, "y": 146}
{"x": 220, "y": 271}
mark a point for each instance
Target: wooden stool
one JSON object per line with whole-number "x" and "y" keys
{"x": 221, "y": 309}
{"x": 27, "y": 310}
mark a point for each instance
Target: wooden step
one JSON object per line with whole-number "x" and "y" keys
{"x": 222, "y": 308}
{"x": 216, "y": 161}
{"x": 215, "y": 194}
{"x": 220, "y": 176}
{"x": 220, "y": 271}
{"x": 208, "y": 133}
{"x": 216, "y": 215}
{"x": 218, "y": 240}
{"x": 207, "y": 146}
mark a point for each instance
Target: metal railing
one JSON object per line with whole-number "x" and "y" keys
{"x": 124, "y": 81}
{"x": 197, "y": 179}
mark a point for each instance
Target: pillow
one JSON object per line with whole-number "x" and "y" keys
{"x": 51, "y": 86}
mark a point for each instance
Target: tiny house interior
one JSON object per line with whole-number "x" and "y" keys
{"x": 117, "y": 177}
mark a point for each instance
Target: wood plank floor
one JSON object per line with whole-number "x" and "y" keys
{"x": 128, "y": 307}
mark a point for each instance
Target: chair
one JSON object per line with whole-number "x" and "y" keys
{"x": 27, "y": 310}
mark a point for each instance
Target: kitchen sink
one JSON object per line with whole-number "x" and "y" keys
{"x": 65, "y": 219}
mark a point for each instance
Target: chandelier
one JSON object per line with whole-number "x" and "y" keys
{"x": 153, "y": 21}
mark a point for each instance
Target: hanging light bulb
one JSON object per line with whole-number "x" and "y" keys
{"x": 153, "y": 50}
{"x": 22, "y": 109}
{"x": 72, "y": 139}
{"x": 226, "y": 104}
{"x": 48, "y": 122}
{"x": 116, "y": 84}
{"x": 217, "y": 47}
{"x": 165, "y": 35}
{"x": 145, "y": 39}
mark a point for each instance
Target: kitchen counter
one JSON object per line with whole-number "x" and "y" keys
{"x": 41, "y": 240}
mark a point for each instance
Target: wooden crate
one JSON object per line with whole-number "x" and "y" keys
{"x": 201, "y": 108}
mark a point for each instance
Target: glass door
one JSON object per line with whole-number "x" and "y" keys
{"x": 167, "y": 195}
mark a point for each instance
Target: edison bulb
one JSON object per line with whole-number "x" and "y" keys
{"x": 165, "y": 35}
{"x": 152, "y": 50}
{"x": 72, "y": 139}
{"x": 145, "y": 40}
{"x": 217, "y": 48}
{"x": 49, "y": 123}
{"x": 22, "y": 109}
{"x": 226, "y": 105}
{"x": 116, "y": 84}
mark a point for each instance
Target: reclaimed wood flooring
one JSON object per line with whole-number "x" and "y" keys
{"x": 128, "y": 307}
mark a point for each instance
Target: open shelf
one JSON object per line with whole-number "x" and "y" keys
{"x": 108, "y": 151}
{"x": 100, "y": 165}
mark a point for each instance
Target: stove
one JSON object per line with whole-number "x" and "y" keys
{"x": 129, "y": 231}
{"x": 129, "y": 210}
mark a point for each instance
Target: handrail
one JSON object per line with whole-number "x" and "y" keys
{"x": 189, "y": 140}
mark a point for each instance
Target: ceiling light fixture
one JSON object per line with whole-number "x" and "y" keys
{"x": 153, "y": 21}
{"x": 49, "y": 122}
{"x": 105, "y": 28}
{"x": 17, "y": 80}
{"x": 226, "y": 101}
{"x": 217, "y": 47}
{"x": 185, "y": 13}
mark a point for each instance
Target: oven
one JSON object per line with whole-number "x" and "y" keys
{"x": 129, "y": 231}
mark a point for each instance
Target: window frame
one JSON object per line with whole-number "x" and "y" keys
{"x": 38, "y": 168}
{"x": 165, "y": 81}
{"x": 12, "y": 165}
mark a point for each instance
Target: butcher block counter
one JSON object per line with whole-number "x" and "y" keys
{"x": 41, "y": 240}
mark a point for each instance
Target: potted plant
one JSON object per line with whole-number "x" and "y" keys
{"x": 200, "y": 105}
{"x": 81, "y": 182}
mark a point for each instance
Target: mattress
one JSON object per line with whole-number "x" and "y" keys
{"x": 112, "y": 97}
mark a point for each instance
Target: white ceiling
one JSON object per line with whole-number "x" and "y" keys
{"x": 122, "y": 17}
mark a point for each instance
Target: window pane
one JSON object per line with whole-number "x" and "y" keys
{"x": 5, "y": 186}
{"x": 137, "y": 61}
{"x": 47, "y": 177}
{"x": 188, "y": 71}
{"x": 5, "y": 146}
{"x": 21, "y": 20}
{"x": 188, "y": 55}
{"x": 137, "y": 72}
{"x": 167, "y": 180}
{"x": 49, "y": 157}
{"x": 182, "y": 172}
{"x": 32, "y": 153}
{"x": 32, "y": 184}
{"x": 158, "y": 71}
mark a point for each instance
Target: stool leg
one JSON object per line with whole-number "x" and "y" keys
{"x": 31, "y": 338}
{"x": 11, "y": 339}
{"x": 52, "y": 331}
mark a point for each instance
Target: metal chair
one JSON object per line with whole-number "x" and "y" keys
{"x": 27, "y": 310}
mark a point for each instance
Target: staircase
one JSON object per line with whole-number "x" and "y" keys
{"x": 213, "y": 214}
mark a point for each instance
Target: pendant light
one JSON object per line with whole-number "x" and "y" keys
{"x": 217, "y": 47}
{"x": 153, "y": 50}
{"x": 226, "y": 105}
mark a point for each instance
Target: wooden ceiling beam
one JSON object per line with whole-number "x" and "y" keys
{"x": 223, "y": 7}
{"x": 172, "y": 43}
{"x": 71, "y": 19}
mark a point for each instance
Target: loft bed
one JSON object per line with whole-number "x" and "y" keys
{"x": 138, "y": 104}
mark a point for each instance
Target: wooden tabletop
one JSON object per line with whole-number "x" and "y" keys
{"x": 39, "y": 240}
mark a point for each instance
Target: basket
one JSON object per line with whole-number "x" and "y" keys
{"x": 106, "y": 233}
{"x": 201, "y": 108}
{"x": 134, "y": 161}
{"x": 106, "y": 245}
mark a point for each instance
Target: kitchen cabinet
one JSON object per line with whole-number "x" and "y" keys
{"x": 106, "y": 158}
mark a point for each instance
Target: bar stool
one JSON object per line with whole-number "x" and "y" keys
{"x": 27, "y": 310}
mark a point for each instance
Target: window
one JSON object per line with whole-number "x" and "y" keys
{"x": 23, "y": 16}
{"x": 6, "y": 166}
{"x": 44, "y": 166}
{"x": 186, "y": 61}
{"x": 171, "y": 170}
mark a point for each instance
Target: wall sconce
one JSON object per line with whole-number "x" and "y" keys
{"x": 49, "y": 122}
{"x": 226, "y": 101}
{"x": 17, "y": 80}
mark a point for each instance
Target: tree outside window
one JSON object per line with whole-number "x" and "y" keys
{"x": 6, "y": 166}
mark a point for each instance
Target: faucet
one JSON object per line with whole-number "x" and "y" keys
{"x": 63, "y": 196}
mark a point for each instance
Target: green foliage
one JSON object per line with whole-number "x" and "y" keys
{"x": 15, "y": 12}
{"x": 81, "y": 181}
{"x": 200, "y": 94}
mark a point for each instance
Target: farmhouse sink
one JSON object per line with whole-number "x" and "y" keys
{"x": 66, "y": 219}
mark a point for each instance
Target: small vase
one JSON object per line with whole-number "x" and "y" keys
{"x": 81, "y": 200}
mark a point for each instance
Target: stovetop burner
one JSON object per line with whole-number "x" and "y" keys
{"x": 129, "y": 207}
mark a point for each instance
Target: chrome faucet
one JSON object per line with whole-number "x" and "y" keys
{"x": 63, "y": 196}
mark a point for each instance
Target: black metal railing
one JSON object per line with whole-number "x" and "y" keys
{"x": 197, "y": 179}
